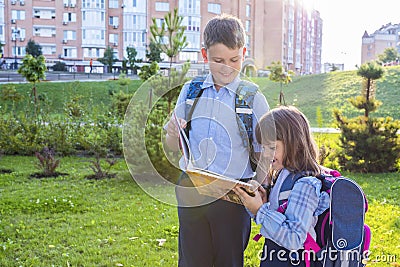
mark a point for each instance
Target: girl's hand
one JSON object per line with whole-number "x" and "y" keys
{"x": 253, "y": 204}
{"x": 263, "y": 194}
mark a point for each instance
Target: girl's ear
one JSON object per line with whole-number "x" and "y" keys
{"x": 204, "y": 54}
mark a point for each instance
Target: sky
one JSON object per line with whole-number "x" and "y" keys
{"x": 344, "y": 23}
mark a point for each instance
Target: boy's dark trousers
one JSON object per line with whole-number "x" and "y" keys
{"x": 212, "y": 235}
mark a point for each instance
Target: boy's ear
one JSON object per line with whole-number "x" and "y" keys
{"x": 244, "y": 53}
{"x": 204, "y": 54}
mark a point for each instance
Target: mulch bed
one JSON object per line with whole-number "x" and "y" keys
{"x": 39, "y": 175}
{"x": 5, "y": 171}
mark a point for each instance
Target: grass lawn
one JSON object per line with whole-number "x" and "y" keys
{"x": 72, "y": 221}
{"x": 326, "y": 91}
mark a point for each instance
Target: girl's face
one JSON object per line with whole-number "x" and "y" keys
{"x": 274, "y": 151}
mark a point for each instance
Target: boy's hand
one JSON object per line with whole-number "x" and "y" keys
{"x": 172, "y": 128}
{"x": 253, "y": 204}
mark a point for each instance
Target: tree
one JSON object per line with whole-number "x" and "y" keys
{"x": 33, "y": 48}
{"x": 170, "y": 36}
{"x": 368, "y": 144}
{"x": 108, "y": 59}
{"x": 278, "y": 74}
{"x": 370, "y": 71}
{"x": 149, "y": 70}
{"x": 34, "y": 70}
{"x": 154, "y": 53}
{"x": 389, "y": 55}
{"x": 132, "y": 53}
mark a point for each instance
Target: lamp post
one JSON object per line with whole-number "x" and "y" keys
{"x": 15, "y": 34}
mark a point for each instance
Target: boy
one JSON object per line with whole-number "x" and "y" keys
{"x": 215, "y": 232}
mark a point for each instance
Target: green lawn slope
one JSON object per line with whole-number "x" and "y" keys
{"x": 332, "y": 90}
{"x": 327, "y": 91}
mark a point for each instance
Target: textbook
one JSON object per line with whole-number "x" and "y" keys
{"x": 210, "y": 183}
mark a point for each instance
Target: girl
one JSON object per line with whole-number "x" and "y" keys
{"x": 285, "y": 135}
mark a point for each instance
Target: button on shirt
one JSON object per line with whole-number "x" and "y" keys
{"x": 215, "y": 141}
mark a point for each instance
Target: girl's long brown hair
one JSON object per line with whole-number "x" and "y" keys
{"x": 289, "y": 125}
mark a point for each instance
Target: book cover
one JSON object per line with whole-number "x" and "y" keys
{"x": 211, "y": 183}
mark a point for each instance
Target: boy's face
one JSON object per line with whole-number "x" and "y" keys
{"x": 225, "y": 63}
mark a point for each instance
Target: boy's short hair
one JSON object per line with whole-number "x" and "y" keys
{"x": 225, "y": 29}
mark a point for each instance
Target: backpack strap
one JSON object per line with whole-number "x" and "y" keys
{"x": 244, "y": 100}
{"x": 193, "y": 95}
{"x": 286, "y": 189}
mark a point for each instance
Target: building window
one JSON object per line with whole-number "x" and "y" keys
{"x": 48, "y": 50}
{"x": 70, "y": 52}
{"x": 159, "y": 22}
{"x": 113, "y": 3}
{"x": 70, "y": 17}
{"x": 162, "y": 6}
{"x": 86, "y": 3}
{"x": 18, "y": 14}
{"x": 70, "y": 3}
{"x": 113, "y": 21}
{"x": 247, "y": 26}
{"x": 44, "y": 14}
{"x": 248, "y": 10}
{"x": 192, "y": 23}
{"x": 20, "y": 51}
{"x": 248, "y": 41}
{"x": 113, "y": 38}
{"x": 69, "y": 35}
{"x": 214, "y": 8}
{"x": 189, "y": 7}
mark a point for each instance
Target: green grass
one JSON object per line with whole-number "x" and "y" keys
{"x": 332, "y": 90}
{"x": 58, "y": 93}
{"x": 71, "y": 221}
{"x": 327, "y": 91}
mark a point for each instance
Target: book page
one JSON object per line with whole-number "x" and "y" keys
{"x": 210, "y": 183}
{"x": 184, "y": 142}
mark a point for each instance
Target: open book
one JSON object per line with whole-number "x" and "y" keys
{"x": 207, "y": 182}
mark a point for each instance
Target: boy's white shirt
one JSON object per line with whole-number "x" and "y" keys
{"x": 211, "y": 100}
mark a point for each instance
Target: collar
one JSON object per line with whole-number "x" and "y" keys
{"x": 231, "y": 87}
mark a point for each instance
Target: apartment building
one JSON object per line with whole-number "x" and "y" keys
{"x": 76, "y": 31}
{"x": 375, "y": 44}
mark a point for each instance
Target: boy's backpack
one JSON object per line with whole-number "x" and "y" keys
{"x": 342, "y": 238}
{"x": 243, "y": 106}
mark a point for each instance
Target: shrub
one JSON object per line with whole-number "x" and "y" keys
{"x": 369, "y": 145}
{"x": 120, "y": 103}
{"x": 60, "y": 66}
{"x": 99, "y": 171}
{"x": 47, "y": 163}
